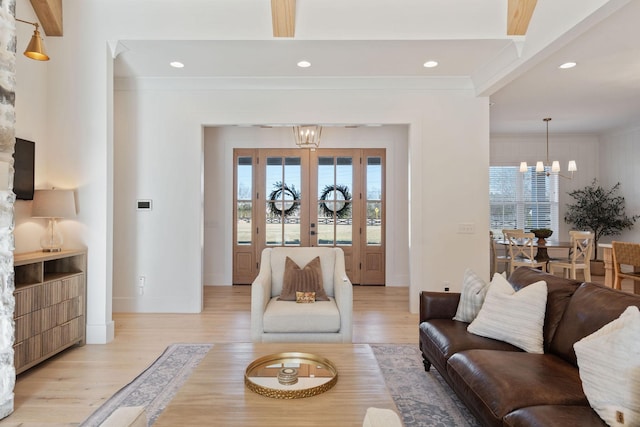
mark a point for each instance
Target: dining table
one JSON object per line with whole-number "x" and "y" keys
{"x": 542, "y": 247}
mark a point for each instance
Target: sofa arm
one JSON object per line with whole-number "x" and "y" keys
{"x": 343, "y": 290}
{"x": 260, "y": 297}
{"x": 438, "y": 305}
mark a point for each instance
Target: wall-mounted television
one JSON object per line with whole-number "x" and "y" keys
{"x": 24, "y": 164}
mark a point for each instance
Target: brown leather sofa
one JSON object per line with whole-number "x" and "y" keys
{"x": 505, "y": 386}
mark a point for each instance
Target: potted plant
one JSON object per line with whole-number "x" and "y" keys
{"x": 600, "y": 211}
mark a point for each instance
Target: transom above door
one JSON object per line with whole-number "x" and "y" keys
{"x": 326, "y": 197}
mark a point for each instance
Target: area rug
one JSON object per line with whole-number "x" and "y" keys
{"x": 423, "y": 398}
{"x": 157, "y": 385}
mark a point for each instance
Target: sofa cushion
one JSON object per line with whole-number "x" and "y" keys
{"x": 442, "y": 338}
{"x": 591, "y": 307}
{"x": 609, "y": 364}
{"x": 472, "y": 296}
{"x": 287, "y": 316}
{"x": 553, "y": 416}
{"x": 494, "y": 383}
{"x": 305, "y": 279}
{"x": 559, "y": 292}
{"x": 514, "y": 317}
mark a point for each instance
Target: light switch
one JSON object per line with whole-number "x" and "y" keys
{"x": 466, "y": 228}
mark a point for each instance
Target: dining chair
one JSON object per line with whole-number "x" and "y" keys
{"x": 626, "y": 253}
{"x": 522, "y": 250}
{"x": 579, "y": 256}
{"x": 495, "y": 258}
{"x": 506, "y": 231}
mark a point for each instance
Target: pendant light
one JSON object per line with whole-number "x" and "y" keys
{"x": 554, "y": 166}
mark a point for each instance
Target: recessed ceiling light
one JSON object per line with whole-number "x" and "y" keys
{"x": 176, "y": 64}
{"x": 304, "y": 64}
{"x": 568, "y": 65}
{"x": 430, "y": 64}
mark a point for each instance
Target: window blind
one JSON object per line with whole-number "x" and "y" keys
{"x": 522, "y": 200}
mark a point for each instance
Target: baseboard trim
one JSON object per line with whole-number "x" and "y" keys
{"x": 101, "y": 334}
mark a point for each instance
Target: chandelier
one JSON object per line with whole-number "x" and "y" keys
{"x": 307, "y": 136}
{"x": 555, "y": 165}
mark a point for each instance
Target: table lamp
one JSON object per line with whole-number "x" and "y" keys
{"x": 53, "y": 204}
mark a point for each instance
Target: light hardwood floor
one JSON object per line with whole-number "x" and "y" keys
{"x": 66, "y": 389}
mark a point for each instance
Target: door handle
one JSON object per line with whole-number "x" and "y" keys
{"x": 313, "y": 233}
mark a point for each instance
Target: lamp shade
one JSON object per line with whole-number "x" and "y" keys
{"x": 35, "y": 48}
{"x": 523, "y": 167}
{"x": 53, "y": 204}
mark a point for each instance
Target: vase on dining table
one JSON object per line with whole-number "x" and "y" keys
{"x": 542, "y": 234}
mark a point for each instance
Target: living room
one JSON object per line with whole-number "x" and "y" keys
{"x": 117, "y": 141}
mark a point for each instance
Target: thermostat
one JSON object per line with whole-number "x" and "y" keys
{"x": 144, "y": 205}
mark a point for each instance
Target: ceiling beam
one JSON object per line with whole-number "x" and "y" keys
{"x": 49, "y": 14}
{"x": 283, "y": 17}
{"x": 519, "y": 14}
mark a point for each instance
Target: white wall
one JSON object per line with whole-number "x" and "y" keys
{"x": 158, "y": 153}
{"x": 31, "y": 124}
{"x": 218, "y": 194}
{"x": 620, "y": 162}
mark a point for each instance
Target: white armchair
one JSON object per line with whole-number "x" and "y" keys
{"x": 287, "y": 321}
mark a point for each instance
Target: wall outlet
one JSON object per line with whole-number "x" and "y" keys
{"x": 446, "y": 286}
{"x": 141, "y": 282}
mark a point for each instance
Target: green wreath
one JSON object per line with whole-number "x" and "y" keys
{"x": 339, "y": 198}
{"x": 278, "y": 199}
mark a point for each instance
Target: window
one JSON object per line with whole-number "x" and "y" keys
{"x": 522, "y": 200}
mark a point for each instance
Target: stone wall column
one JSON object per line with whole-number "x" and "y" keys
{"x": 7, "y": 199}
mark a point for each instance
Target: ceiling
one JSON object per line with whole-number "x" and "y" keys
{"x": 520, "y": 74}
{"x": 600, "y": 94}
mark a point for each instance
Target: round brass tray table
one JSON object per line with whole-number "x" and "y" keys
{"x": 290, "y": 375}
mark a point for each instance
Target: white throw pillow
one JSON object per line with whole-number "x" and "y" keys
{"x": 513, "y": 317}
{"x": 609, "y": 365}
{"x": 472, "y": 296}
{"x": 379, "y": 417}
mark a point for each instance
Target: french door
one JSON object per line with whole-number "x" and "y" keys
{"x": 327, "y": 197}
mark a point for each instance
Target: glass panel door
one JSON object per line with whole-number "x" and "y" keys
{"x": 327, "y": 197}
{"x": 244, "y": 252}
{"x": 335, "y": 183}
{"x": 285, "y": 203}
{"x": 372, "y": 247}
{"x": 244, "y": 201}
